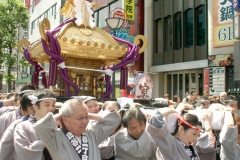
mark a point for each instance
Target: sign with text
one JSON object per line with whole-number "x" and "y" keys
{"x": 121, "y": 33}
{"x": 143, "y": 86}
{"x": 129, "y": 7}
{"x": 216, "y": 80}
{"x": 222, "y": 23}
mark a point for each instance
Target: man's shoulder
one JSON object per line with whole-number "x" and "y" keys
{"x": 7, "y": 115}
{"x": 23, "y": 124}
{"x": 122, "y": 133}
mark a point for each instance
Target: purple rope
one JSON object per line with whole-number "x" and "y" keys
{"x": 131, "y": 56}
{"x": 37, "y": 69}
{"x": 56, "y": 55}
{"x": 55, "y": 52}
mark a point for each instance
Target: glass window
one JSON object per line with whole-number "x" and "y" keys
{"x": 175, "y": 84}
{"x": 168, "y": 33}
{"x": 33, "y": 25}
{"x": 46, "y": 15}
{"x": 103, "y": 14}
{"x": 50, "y": 12}
{"x": 180, "y": 85}
{"x": 159, "y": 36}
{"x": 187, "y": 83}
{"x": 200, "y": 25}
{"x": 188, "y": 28}
{"x": 169, "y": 84}
{"x": 54, "y": 10}
{"x": 178, "y": 31}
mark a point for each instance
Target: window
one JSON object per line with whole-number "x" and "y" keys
{"x": 46, "y": 15}
{"x": 50, "y": 12}
{"x": 168, "y": 33}
{"x": 159, "y": 36}
{"x": 25, "y": 34}
{"x": 33, "y": 24}
{"x": 54, "y": 10}
{"x": 200, "y": 25}
{"x": 188, "y": 28}
{"x": 178, "y": 31}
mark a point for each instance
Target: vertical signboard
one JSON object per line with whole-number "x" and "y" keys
{"x": 222, "y": 23}
{"x": 216, "y": 80}
{"x": 206, "y": 81}
{"x": 129, "y": 7}
{"x": 143, "y": 86}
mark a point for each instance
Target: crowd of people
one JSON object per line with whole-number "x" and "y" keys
{"x": 195, "y": 128}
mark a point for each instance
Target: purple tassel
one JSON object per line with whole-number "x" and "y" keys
{"x": 124, "y": 78}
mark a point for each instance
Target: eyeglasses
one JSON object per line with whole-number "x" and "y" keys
{"x": 80, "y": 119}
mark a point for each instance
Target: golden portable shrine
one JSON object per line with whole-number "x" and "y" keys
{"x": 77, "y": 52}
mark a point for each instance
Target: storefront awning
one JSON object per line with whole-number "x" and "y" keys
{"x": 24, "y": 80}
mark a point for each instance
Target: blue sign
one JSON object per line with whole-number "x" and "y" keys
{"x": 120, "y": 33}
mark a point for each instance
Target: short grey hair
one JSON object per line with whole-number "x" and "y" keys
{"x": 66, "y": 109}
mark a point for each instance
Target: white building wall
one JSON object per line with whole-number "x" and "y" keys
{"x": 37, "y": 12}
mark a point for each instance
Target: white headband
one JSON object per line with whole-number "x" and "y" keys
{"x": 230, "y": 100}
{"x": 34, "y": 99}
{"x": 25, "y": 91}
{"x": 205, "y": 101}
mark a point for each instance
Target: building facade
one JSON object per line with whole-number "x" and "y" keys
{"x": 179, "y": 46}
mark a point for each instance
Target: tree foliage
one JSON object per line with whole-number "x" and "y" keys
{"x": 13, "y": 16}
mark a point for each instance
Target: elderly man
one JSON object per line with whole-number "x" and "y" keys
{"x": 77, "y": 139}
{"x": 223, "y": 95}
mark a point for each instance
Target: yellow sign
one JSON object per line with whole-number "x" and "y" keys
{"x": 223, "y": 35}
{"x": 129, "y": 6}
{"x": 222, "y": 23}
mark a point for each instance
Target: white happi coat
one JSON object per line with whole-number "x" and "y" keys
{"x": 205, "y": 148}
{"x": 127, "y": 148}
{"x": 229, "y": 143}
{"x": 170, "y": 147}
{"x": 26, "y": 143}
{"x": 107, "y": 146}
{"x": 7, "y": 109}
{"x": 7, "y": 118}
{"x": 59, "y": 146}
{"x": 6, "y": 142}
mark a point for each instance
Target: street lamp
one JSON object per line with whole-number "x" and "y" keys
{"x": 114, "y": 23}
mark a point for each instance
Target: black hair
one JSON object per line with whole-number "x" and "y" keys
{"x": 43, "y": 94}
{"x": 16, "y": 97}
{"x": 229, "y": 98}
{"x": 204, "y": 98}
{"x": 131, "y": 114}
{"x": 193, "y": 92}
{"x": 115, "y": 103}
{"x": 189, "y": 118}
{"x": 159, "y": 104}
{"x": 25, "y": 101}
{"x": 26, "y": 87}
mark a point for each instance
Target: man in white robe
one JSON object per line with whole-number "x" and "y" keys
{"x": 26, "y": 143}
{"x": 6, "y": 142}
{"x": 133, "y": 142}
{"x": 9, "y": 117}
{"x": 107, "y": 146}
{"x": 78, "y": 139}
